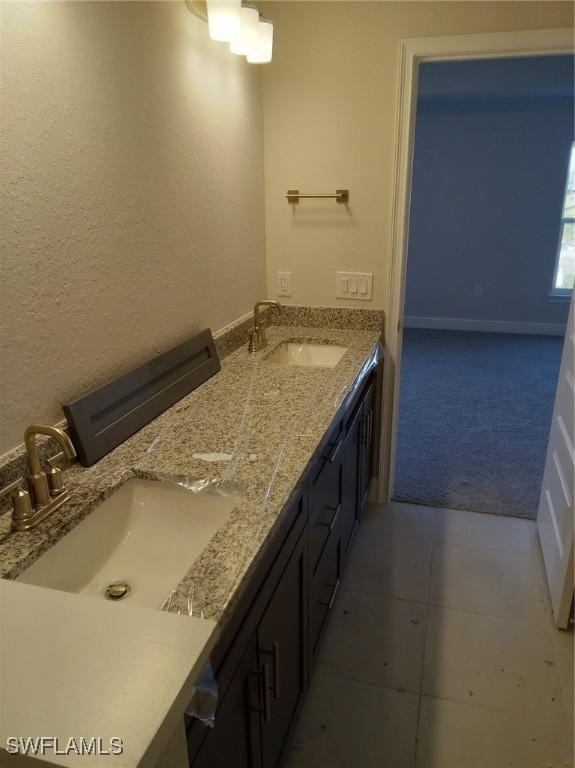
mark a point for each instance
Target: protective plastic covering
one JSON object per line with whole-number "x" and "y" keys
{"x": 250, "y": 445}
{"x": 205, "y": 698}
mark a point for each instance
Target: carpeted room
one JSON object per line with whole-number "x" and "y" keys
{"x": 486, "y": 305}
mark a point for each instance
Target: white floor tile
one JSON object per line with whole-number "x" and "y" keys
{"x": 391, "y": 567}
{"x": 492, "y": 662}
{"x": 376, "y": 640}
{"x": 563, "y": 645}
{"x": 486, "y": 581}
{"x": 395, "y": 519}
{"x": 473, "y": 529}
{"x": 453, "y": 735}
{"x": 346, "y": 724}
{"x": 563, "y": 640}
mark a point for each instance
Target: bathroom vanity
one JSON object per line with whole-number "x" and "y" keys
{"x": 266, "y": 654}
{"x": 288, "y": 433}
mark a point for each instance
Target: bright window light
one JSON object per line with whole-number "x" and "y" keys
{"x": 565, "y": 268}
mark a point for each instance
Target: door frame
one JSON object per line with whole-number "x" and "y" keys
{"x": 412, "y": 52}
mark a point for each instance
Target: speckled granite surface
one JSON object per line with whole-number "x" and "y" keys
{"x": 345, "y": 318}
{"x": 267, "y": 418}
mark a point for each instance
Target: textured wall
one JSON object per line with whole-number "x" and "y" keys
{"x": 329, "y": 116}
{"x": 131, "y": 194}
{"x": 492, "y": 146}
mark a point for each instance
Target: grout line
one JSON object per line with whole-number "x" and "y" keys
{"x": 528, "y": 623}
{"x": 483, "y": 707}
{"x": 425, "y": 635}
{"x": 385, "y": 596}
{"x": 350, "y": 679}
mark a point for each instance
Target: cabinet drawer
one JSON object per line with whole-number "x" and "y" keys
{"x": 324, "y": 512}
{"x": 324, "y": 588}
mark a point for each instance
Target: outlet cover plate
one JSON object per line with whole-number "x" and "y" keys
{"x": 284, "y": 284}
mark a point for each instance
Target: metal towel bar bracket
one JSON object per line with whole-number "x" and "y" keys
{"x": 341, "y": 196}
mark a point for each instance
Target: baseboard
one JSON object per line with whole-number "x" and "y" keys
{"x": 489, "y": 326}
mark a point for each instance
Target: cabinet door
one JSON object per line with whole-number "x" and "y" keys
{"x": 325, "y": 499}
{"x": 282, "y": 650}
{"x": 350, "y": 474}
{"x": 366, "y": 441}
{"x": 324, "y": 588}
{"x": 234, "y": 739}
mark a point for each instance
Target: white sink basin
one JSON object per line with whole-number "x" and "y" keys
{"x": 304, "y": 354}
{"x": 146, "y": 534}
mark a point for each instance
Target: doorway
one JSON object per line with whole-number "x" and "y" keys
{"x": 483, "y": 330}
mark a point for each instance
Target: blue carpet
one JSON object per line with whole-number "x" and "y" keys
{"x": 474, "y": 417}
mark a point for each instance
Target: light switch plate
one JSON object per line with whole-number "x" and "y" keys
{"x": 284, "y": 284}
{"x": 354, "y": 285}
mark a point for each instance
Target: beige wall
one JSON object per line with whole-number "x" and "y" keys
{"x": 131, "y": 194}
{"x": 329, "y": 111}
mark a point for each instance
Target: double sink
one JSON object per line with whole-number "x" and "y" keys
{"x": 139, "y": 543}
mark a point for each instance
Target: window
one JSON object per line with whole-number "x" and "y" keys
{"x": 565, "y": 268}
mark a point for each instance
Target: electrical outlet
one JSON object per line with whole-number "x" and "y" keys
{"x": 354, "y": 285}
{"x": 284, "y": 283}
{"x": 478, "y": 289}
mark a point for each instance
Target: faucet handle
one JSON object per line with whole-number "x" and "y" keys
{"x": 55, "y": 481}
{"x": 21, "y": 505}
{"x": 253, "y": 340}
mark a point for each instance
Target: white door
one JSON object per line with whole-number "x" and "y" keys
{"x": 556, "y": 510}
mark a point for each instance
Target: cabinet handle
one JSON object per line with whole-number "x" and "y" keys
{"x": 333, "y": 595}
{"x": 336, "y": 451}
{"x": 275, "y": 654}
{"x": 331, "y": 524}
{"x": 369, "y": 428}
{"x": 276, "y": 661}
{"x": 267, "y": 705}
{"x": 365, "y": 430}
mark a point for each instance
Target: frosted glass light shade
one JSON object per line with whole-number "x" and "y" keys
{"x": 262, "y": 53}
{"x": 223, "y": 19}
{"x": 246, "y": 38}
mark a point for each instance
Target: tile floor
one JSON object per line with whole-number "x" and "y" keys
{"x": 440, "y": 652}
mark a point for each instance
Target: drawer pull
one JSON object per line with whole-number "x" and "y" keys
{"x": 336, "y": 450}
{"x": 276, "y": 660}
{"x": 267, "y": 705}
{"x": 331, "y": 524}
{"x": 275, "y": 654}
{"x": 333, "y": 595}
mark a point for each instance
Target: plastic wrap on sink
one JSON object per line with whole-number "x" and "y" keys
{"x": 233, "y": 452}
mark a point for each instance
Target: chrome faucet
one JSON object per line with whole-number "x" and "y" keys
{"x": 46, "y": 491}
{"x": 257, "y": 339}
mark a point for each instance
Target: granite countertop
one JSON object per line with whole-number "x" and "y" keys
{"x": 252, "y": 428}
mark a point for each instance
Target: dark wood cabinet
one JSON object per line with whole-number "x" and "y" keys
{"x": 264, "y": 657}
{"x": 324, "y": 587}
{"x": 282, "y": 656}
{"x": 234, "y": 738}
{"x": 259, "y": 698}
{"x": 325, "y": 497}
{"x": 366, "y": 442}
{"x": 350, "y": 478}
